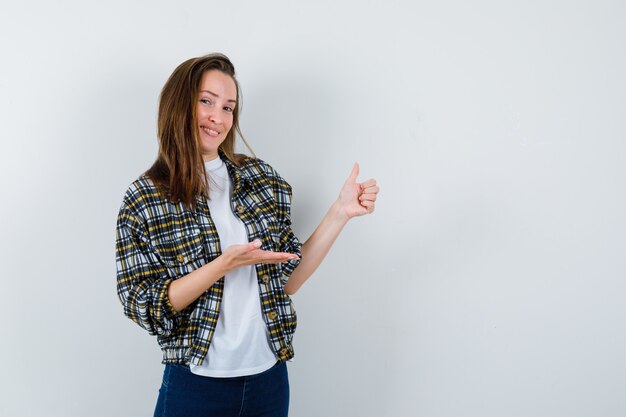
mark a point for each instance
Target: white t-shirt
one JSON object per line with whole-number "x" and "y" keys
{"x": 240, "y": 344}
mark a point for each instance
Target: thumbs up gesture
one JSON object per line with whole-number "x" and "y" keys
{"x": 358, "y": 199}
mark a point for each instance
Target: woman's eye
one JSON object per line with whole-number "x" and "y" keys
{"x": 205, "y": 101}
{"x": 228, "y": 109}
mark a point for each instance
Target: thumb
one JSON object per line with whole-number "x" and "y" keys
{"x": 354, "y": 173}
{"x": 255, "y": 244}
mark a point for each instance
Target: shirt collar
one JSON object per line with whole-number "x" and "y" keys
{"x": 237, "y": 174}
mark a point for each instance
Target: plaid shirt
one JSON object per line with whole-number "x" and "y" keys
{"x": 159, "y": 241}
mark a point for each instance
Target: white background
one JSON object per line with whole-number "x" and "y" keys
{"x": 490, "y": 280}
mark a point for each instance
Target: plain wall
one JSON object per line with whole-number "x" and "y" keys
{"x": 490, "y": 280}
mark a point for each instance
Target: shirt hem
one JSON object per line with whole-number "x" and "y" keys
{"x": 216, "y": 373}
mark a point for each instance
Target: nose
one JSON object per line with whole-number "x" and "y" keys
{"x": 215, "y": 117}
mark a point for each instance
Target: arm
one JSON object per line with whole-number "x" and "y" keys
{"x": 152, "y": 299}
{"x": 186, "y": 289}
{"x": 141, "y": 284}
{"x": 355, "y": 199}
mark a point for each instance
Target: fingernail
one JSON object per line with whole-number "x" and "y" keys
{"x": 256, "y": 243}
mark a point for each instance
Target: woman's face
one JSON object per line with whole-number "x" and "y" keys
{"x": 214, "y": 110}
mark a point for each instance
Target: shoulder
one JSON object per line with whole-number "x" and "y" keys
{"x": 255, "y": 169}
{"x": 141, "y": 194}
{"x": 256, "y": 166}
{"x": 266, "y": 180}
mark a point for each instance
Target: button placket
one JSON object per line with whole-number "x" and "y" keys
{"x": 248, "y": 217}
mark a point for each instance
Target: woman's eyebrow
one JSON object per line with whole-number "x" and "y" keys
{"x": 215, "y": 95}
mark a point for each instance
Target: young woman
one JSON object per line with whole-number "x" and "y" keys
{"x": 206, "y": 256}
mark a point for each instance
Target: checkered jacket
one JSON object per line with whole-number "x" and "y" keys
{"x": 158, "y": 241}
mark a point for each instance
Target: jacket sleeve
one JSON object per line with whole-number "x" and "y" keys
{"x": 288, "y": 240}
{"x": 142, "y": 283}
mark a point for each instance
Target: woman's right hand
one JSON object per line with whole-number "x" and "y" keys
{"x": 251, "y": 254}
{"x": 183, "y": 291}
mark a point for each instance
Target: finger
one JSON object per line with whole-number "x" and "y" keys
{"x": 354, "y": 173}
{"x": 370, "y": 197}
{"x": 254, "y": 245}
{"x": 279, "y": 256}
{"x": 274, "y": 260}
{"x": 369, "y": 205}
{"x": 244, "y": 249}
{"x": 368, "y": 183}
{"x": 371, "y": 190}
{"x": 269, "y": 259}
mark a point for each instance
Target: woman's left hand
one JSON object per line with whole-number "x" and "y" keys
{"x": 357, "y": 199}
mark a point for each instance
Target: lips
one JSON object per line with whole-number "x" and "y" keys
{"x": 209, "y": 131}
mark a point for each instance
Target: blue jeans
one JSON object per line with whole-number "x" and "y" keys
{"x": 186, "y": 394}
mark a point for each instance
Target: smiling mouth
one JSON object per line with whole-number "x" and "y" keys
{"x": 210, "y": 132}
